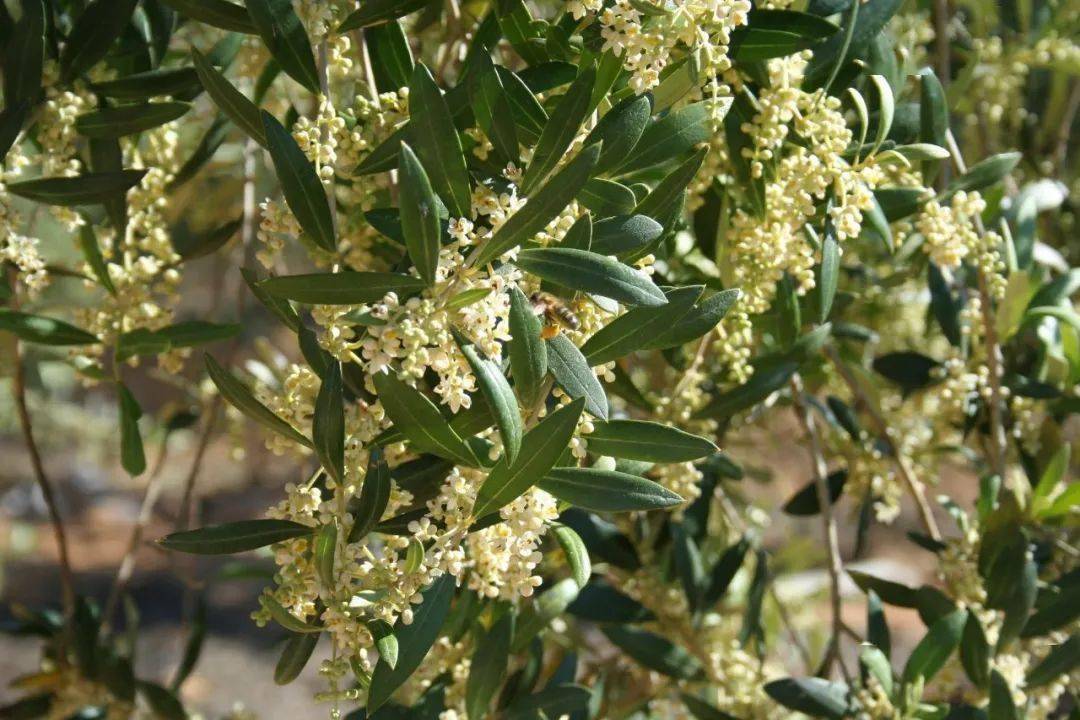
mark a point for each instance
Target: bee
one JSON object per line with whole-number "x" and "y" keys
{"x": 555, "y": 313}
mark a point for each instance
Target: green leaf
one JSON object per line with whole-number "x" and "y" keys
{"x": 286, "y": 619}
{"x": 99, "y": 24}
{"x": 573, "y": 374}
{"x": 541, "y": 448}
{"x": 638, "y": 328}
{"x": 92, "y": 253}
{"x": 828, "y": 272}
{"x": 328, "y": 423}
{"x": 607, "y": 197}
{"x": 241, "y": 398}
{"x": 550, "y": 604}
{"x": 701, "y": 319}
{"x": 281, "y": 308}
{"x": 528, "y": 351}
{"x": 668, "y": 192}
{"x": 984, "y": 173}
{"x": 625, "y": 234}
{"x": 386, "y": 641}
{"x": 861, "y": 24}
{"x": 125, "y": 120}
{"x": 592, "y": 273}
{"x": 12, "y": 118}
{"x": 181, "y": 335}
{"x": 419, "y": 215}
{"x": 1061, "y": 660}
{"x": 193, "y": 646}
{"x": 489, "y": 664}
{"x": 620, "y": 130}
{"x": 286, "y": 39}
{"x": 975, "y": 652}
{"x": 344, "y": 288}
{"x": 776, "y": 33}
{"x": 420, "y": 420}
{"x": 368, "y": 508}
{"x": 577, "y": 555}
{"x": 303, "y": 190}
{"x": 25, "y": 56}
{"x": 647, "y": 441}
{"x": 234, "y": 537}
{"x": 414, "y": 641}
{"x": 689, "y": 566}
{"x": 703, "y": 710}
{"x": 391, "y": 56}
{"x": 217, "y": 13}
{"x": 43, "y": 330}
{"x": 492, "y": 107}
{"x": 814, "y": 696}
{"x": 653, "y": 651}
{"x": 560, "y": 130}
{"x": 805, "y": 502}
{"x": 162, "y": 701}
{"x": 500, "y": 398}
{"x": 375, "y": 12}
{"x": 607, "y": 490}
{"x": 723, "y": 572}
{"x": 132, "y": 457}
{"x": 936, "y": 646}
{"x": 88, "y": 189}
{"x": 244, "y": 114}
{"x": 1001, "y": 705}
{"x": 294, "y": 657}
{"x": 544, "y": 205}
{"x": 431, "y": 128}
{"x": 933, "y": 109}
{"x": 671, "y": 136}
{"x": 910, "y": 370}
{"x": 770, "y": 375}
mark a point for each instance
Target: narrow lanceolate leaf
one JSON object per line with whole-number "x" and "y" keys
{"x": 607, "y": 490}
{"x": 1061, "y": 660}
{"x": 124, "y": 120}
{"x": 368, "y": 508}
{"x": 303, "y": 191}
{"x": 43, "y": 330}
{"x": 647, "y": 441}
{"x": 420, "y": 421}
{"x": 668, "y": 138}
{"x": 936, "y": 646}
{"x": 235, "y": 537}
{"x": 328, "y": 424}
{"x": 814, "y": 696}
{"x": 163, "y": 702}
{"x": 88, "y": 189}
{"x": 152, "y": 83}
{"x": 294, "y": 657}
{"x": 414, "y": 641}
{"x": 776, "y": 33}
{"x": 218, "y": 13}
{"x": 344, "y": 288}
{"x": 241, "y": 398}
{"x": 619, "y": 130}
{"x": 828, "y": 272}
{"x": 984, "y": 173}
{"x": 573, "y": 374}
{"x": 703, "y": 710}
{"x": 593, "y": 273}
{"x": 638, "y": 328}
{"x": 132, "y": 456}
{"x": 285, "y": 618}
{"x": 1001, "y": 705}
{"x": 181, "y": 335}
{"x": 286, "y": 39}
{"x": 25, "y": 56}
{"x": 540, "y": 450}
{"x": 550, "y": 200}
{"x": 500, "y": 398}
{"x": 560, "y": 130}
{"x": 489, "y": 665}
{"x": 375, "y": 12}
{"x": 433, "y": 135}
{"x": 12, "y": 118}
{"x": 624, "y": 234}
{"x": 243, "y": 112}
{"x": 653, "y": 651}
{"x": 577, "y": 555}
{"x": 541, "y": 612}
{"x": 701, "y": 319}
{"x": 100, "y": 23}
{"x": 419, "y": 215}
{"x": 528, "y": 351}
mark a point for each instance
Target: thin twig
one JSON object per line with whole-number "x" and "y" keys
{"x": 18, "y": 389}
{"x": 881, "y": 428}
{"x": 828, "y": 524}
